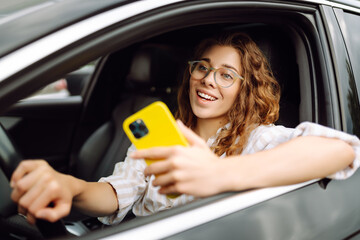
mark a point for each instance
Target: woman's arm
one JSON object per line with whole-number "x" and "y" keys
{"x": 298, "y": 160}
{"x": 97, "y": 199}
{"x": 37, "y": 186}
{"x": 197, "y": 171}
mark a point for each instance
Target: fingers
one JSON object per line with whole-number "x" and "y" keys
{"x": 168, "y": 172}
{"x": 27, "y": 200}
{"x": 170, "y": 178}
{"x": 29, "y": 217}
{"x": 22, "y": 211}
{"x": 176, "y": 161}
{"x": 53, "y": 214}
{"x": 193, "y": 138}
{"x": 158, "y": 168}
{"x": 42, "y": 208}
{"x": 161, "y": 153}
{"x": 35, "y": 186}
{"x": 32, "y": 174}
{"x": 21, "y": 186}
{"x": 157, "y": 153}
{"x": 24, "y": 168}
{"x": 172, "y": 189}
{"x": 45, "y": 195}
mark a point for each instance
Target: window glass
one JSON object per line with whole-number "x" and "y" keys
{"x": 349, "y": 24}
{"x": 352, "y": 38}
{"x": 71, "y": 84}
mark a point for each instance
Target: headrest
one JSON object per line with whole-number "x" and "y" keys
{"x": 155, "y": 68}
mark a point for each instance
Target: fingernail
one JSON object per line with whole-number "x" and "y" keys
{"x": 12, "y": 184}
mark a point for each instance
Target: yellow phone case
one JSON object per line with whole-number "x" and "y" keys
{"x": 162, "y": 129}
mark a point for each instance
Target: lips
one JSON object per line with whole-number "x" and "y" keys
{"x": 206, "y": 96}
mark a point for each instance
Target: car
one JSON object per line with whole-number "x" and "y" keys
{"x": 121, "y": 55}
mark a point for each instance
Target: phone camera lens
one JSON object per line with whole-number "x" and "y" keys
{"x": 138, "y": 128}
{"x": 142, "y": 127}
{"x": 132, "y": 127}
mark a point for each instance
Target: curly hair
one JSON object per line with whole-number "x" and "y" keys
{"x": 258, "y": 99}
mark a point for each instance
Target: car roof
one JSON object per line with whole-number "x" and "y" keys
{"x": 38, "y": 18}
{"x": 351, "y": 3}
{"x": 43, "y": 17}
{"x": 10, "y": 7}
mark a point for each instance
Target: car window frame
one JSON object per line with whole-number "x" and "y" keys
{"x": 342, "y": 70}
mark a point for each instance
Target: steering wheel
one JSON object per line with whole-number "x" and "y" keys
{"x": 10, "y": 221}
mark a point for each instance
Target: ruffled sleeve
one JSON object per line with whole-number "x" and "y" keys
{"x": 129, "y": 183}
{"x": 135, "y": 192}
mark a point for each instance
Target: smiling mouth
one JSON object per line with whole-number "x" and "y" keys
{"x": 205, "y": 96}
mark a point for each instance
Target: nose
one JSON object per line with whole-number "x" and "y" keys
{"x": 209, "y": 79}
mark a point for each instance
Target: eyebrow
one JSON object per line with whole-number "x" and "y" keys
{"x": 223, "y": 65}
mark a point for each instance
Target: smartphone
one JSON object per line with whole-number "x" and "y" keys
{"x": 153, "y": 126}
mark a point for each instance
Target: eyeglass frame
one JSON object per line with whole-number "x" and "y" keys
{"x": 191, "y": 63}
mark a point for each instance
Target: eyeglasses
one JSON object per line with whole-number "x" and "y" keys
{"x": 224, "y": 77}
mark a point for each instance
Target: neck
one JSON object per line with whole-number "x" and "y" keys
{"x": 207, "y": 128}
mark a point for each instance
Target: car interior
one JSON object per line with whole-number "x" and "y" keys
{"x": 126, "y": 80}
{"x": 154, "y": 72}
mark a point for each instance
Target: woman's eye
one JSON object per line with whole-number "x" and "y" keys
{"x": 202, "y": 68}
{"x": 227, "y": 76}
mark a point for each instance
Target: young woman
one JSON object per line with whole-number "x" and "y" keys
{"x": 229, "y": 101}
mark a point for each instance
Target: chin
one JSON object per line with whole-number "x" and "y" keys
{"x": 205, "y": 114}
{"x": 202, "y": 114}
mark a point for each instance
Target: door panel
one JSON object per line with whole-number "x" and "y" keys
{"x": 43, "y": 128}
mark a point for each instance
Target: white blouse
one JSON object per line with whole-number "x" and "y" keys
{"x": 135, "y": 191}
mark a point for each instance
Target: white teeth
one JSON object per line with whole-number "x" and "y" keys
{"x": 207, "y": 97}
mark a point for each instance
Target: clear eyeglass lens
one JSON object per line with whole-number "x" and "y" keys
{"x": 199, "y": 69}
{"x": 223, "y": 76}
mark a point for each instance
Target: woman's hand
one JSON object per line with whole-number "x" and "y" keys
{"x": 36, "y": 186}
{"x": 193, "y": 170}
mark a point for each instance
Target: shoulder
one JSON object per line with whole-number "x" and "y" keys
{"x": 267, "y": 136}
{"x": 270, "y": 132}
{"x": 304, "y": 128}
